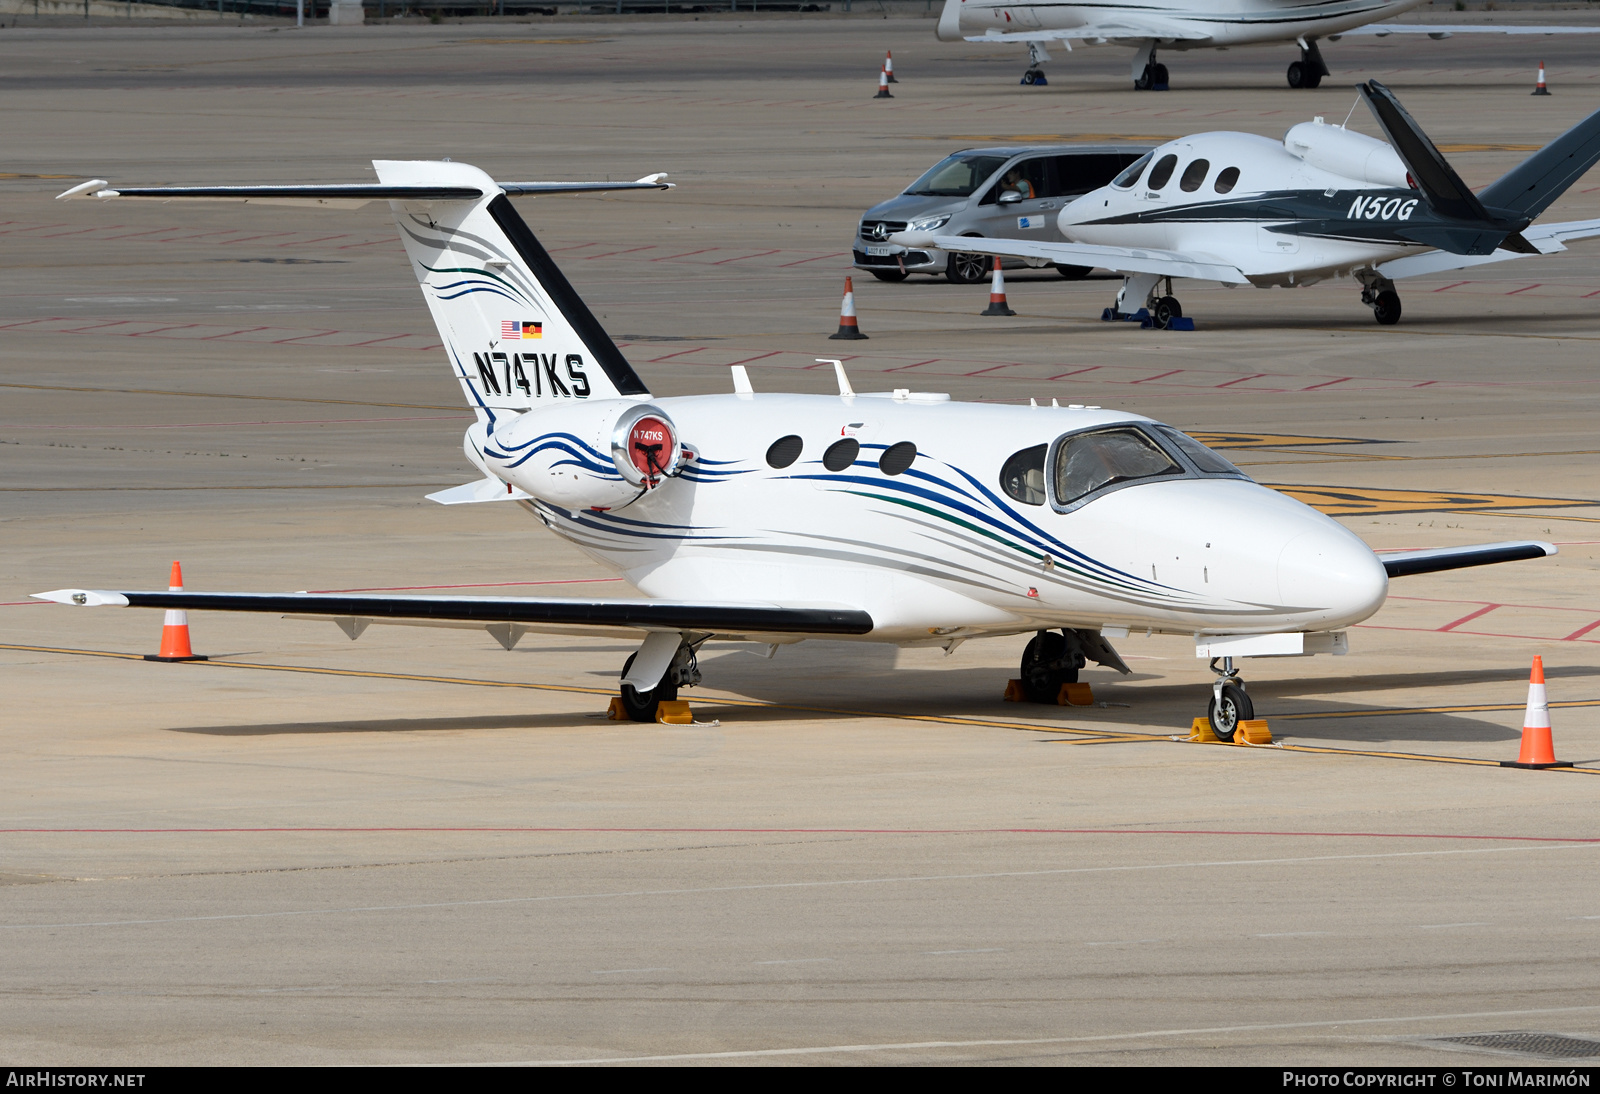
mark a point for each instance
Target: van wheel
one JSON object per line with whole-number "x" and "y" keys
{"x": 966, "y": 269}
{"x": 889, "y": 275}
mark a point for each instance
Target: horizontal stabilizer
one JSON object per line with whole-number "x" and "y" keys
{"x": 1533, "y": 185}
{"x": 1546, "y": 238}
{"x": 723, "y": 618}
{"x": 1117, "y": 259}
{"x": 346, "y": 195}
{"x": 1407, "y": 563}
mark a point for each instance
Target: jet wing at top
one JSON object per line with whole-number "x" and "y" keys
{"x": 1129, "y": 30}
{"x": 1116, "y": 259}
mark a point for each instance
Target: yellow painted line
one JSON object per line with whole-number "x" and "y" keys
{"x": 1476, "y": 147}
{"x": 1346, "y": 501}
{"x": 222, "y": 395}
{"x": 1007, "y": 138}
{"x": 1387, "y": 712}
{"x": 1275, "y": 440}
{"x": 1337, "y": 457}
{"x": 1085, "y": 736}
{"x": 532, "y": 41}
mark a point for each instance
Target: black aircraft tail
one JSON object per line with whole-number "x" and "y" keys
{"x": 1495, "y": 218}
{"x": 1534, "y": 184}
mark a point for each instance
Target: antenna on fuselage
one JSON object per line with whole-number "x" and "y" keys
{"x": 838, "y": 370}
{"x": 1346, "y": 123}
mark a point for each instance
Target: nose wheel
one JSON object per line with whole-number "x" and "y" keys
{"x": 1048, "y": 662}
{"x": 1230, "y": 703}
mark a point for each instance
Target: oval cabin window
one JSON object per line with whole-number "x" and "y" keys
{"x": 784, "y": 451}
{"x": 1194, "y": 175}
{"x": 1226, "y": 180}
{"x": 897, "y": 458}
{"x": 841, "y": 454}
{"x": 1161, "y": 174}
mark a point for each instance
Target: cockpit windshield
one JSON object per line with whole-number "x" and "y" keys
{"x": 1098, "y": 460}
{"x": 957, "y": 176}
{"x": 1131, "y": 175}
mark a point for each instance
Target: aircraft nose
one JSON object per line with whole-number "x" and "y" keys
{"x": 1334, "y": 575}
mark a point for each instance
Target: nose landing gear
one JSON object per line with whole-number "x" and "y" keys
{"x": 1049, "y": 661}
{"x": 683, "y": 671}
{"x": 1037, "y": 56}
{"x": 1230, "y": 704}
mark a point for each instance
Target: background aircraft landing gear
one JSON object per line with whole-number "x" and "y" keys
{"x": 1048, "y": 662}
{"x": 1036, "y": 57}
{"x": 1377, "y": 292}
{"x": 1153, "y": 78}
{"x": 1230, "y": 704}
{"x": 1309, "y": 70}
{"x": 1165, "y": 310}
{"x": 1033, "y": 78}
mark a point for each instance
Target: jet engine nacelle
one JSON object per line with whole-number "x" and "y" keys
{"x": 589, "y": 455}
{"x": 1335, "y": 149}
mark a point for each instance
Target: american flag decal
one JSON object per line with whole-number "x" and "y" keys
{"x": 512, "y": 329}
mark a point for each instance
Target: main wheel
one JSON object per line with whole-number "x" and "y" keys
{"x": 1386, "y": 309}
{"x": 1042, "y": 670}
{"x": 1235, "y": 708}
{"x": 1027, "y": 78}
{"x": 1158, "y": 78}
{"x": 1313, "y": 77}
{"x": 889, "y": 275}
{"x": 1074, "y": 273}
{"x": 1143, "y": 81}
{"x": 1297, "y": 75}
{"x": 1166, "y": 310}
{"x": 966, "y": 269}
{"x": 641, "y": 705}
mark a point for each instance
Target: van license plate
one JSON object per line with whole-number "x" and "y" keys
{"x": 880, "y": 250}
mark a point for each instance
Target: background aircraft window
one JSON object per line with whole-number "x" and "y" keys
{"x": 1227, "y": 180}
{"x": 1194, "y": 175}
{"x": 957, "y": 176}
{"x": 1162, "y": 172}
{"x": 1201, "y": 456}
{"x": 1089, "y": 461}
{"x": 784, "y": 451}
{"x": 1131, "y": 175}
{"x": 1022, "y": 476}
{"x": 841, "y": 454}
{"x": 1077, "y": 175}
{"x": 897, "y": 458}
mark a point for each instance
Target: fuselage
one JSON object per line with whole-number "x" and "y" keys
{"x": 1215, "y": 23}
{"x": 1247, "y": 201}
{"x": 973, "y": 535}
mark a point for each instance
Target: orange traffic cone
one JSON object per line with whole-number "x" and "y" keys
{"x": 883, "y": 86}
{"x": 997, "y": 293}
{"x": 1538, "y": 749}
{"x": 175, "y": 628}
{"x": 1539, "y": 88}
{"x": 888, "y": 67}
{"x": 847, "y": 316}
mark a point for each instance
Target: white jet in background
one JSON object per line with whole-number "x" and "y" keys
{"x": 900, "y": 517}
{"x": 1148, "y": 25}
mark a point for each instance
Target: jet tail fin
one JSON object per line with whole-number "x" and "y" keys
{"x": 1438, "y": 181}
{"x": 1533, "y": 185}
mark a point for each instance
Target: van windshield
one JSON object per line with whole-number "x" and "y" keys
{"x": 957, "y": 176}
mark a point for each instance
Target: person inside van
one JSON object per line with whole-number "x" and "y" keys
{"x": 1015, "y": 181}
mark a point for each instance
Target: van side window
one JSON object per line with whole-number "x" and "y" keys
{"x": 1162, "y": 172}
{"x": 1022, "y": 476}
{"x": 1077, "y": 175}
{"x": 1194, "y": 175}
{"x": 1036, "y": 172}
{"x": 1227, "y": 179}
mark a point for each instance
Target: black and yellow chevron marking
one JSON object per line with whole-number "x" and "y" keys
{"x": 1273, "y": 440}
{"x": 1349, "y": 501}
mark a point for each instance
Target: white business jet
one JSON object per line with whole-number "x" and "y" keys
{"x": 1325, "y": 202}
{"x": 1148, "y": 25}
{"x": 899, "y": 517}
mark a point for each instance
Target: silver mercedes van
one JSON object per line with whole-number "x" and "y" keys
{"x": 1003, "y": 193}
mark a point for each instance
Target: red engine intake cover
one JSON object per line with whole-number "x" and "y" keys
{"x": 650, "y": 445}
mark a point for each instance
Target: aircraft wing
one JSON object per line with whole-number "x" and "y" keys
{"x": 1445, "y": 30}
{"x": 343, "y": 195}
{"x": 1548, "y": 238}
{"x": 1406, "y": 563}
{"x": 499, "y": 612}
{"x": 1116, "y": 259}
{"x": 1122, "y": 30}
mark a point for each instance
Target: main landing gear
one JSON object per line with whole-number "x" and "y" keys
{"x": 1163, "y": 308}
{"x": 1048, "y": 661}
{"x": 1377, "y": 292}
{"x": 1037, "y": 56}
{"x": 682, "y": 671}
{"x": 1230, "y": 704}
{"x": 1309, "y": 70}
{"x": 1148, "y": 73}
